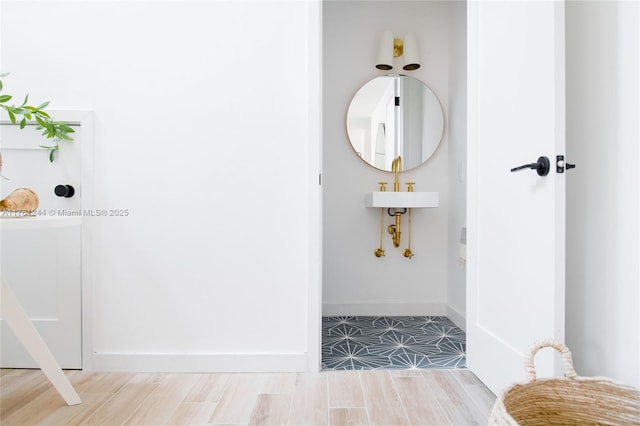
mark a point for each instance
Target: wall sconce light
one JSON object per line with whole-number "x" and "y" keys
{"x": 391, "y": 47}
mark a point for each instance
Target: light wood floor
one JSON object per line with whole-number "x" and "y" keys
{"x": 410, "y": 397}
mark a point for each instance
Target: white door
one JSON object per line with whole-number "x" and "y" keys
{"x": 515, "y": 274}
{"x": 42, "y": 261}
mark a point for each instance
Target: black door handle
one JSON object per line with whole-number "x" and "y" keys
{"x": 541, "y": 166}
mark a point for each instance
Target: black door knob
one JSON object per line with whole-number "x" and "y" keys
{"x": 541, "y": 166}
{"x": 66, "y": 191}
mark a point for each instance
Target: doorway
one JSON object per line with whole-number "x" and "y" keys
{"x": 393, "y": 290}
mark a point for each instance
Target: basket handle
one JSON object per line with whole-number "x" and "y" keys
{"x": 567, "y": 362}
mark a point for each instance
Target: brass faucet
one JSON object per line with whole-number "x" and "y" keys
{"x": 396, "y": 167}
{"x": 394, "y": 230}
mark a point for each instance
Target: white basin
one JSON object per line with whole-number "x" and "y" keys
{"x": 414, "y": 200}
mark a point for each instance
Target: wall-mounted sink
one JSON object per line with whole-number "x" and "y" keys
{"x": 414, "y": 200}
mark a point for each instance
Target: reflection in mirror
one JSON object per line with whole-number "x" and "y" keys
{"x": 395, "y": 115}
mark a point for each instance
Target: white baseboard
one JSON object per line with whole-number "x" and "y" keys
{"x": 380, "y": 309}
{"x": 458, "y": 319}
{"x": 200, "y": 363}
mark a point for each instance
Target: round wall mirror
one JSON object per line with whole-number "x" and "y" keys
{"x": 395, "y": 115}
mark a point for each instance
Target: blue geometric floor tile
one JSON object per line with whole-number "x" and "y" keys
{"x": 393, "y": 342}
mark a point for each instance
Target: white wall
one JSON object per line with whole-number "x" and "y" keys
{"x": 354, "y": 280}
{"x": 456, "y": 287}
{"x": 206, "y": 130}
{"x": 603, "y": 116}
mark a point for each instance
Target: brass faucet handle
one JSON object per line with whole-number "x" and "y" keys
{"x": 410, "y": 186}
{"x": 382, "y": 186}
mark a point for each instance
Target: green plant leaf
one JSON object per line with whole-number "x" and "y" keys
{"x": 40, "y": 121}
{"x": 65, "y": 128}
{"x": 1, "y": 85}
{"x": 26, "y": 98}
{"x": 43, "y": 105}
{"x": 19, "y": 110}
{"x": 65, "y": 137}
{"x": 23, "y": 123}
{"x": 5, "y": 98}
{"x": 12, "y": 116}
{"x": 50, "y": 128}
{"x": 52, "y": 155}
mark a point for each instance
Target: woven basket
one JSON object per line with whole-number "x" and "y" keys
{"x": 571, "y": 400}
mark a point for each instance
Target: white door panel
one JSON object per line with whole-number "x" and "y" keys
{"x": 43, "y": 264}
{"x": 43, "y": 268}
{"x": 515, "y": 282}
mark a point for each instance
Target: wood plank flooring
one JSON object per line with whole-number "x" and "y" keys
{"x": 386, "y": 398}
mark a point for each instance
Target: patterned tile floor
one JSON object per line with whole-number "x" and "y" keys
{"x": 379, "y": 343}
